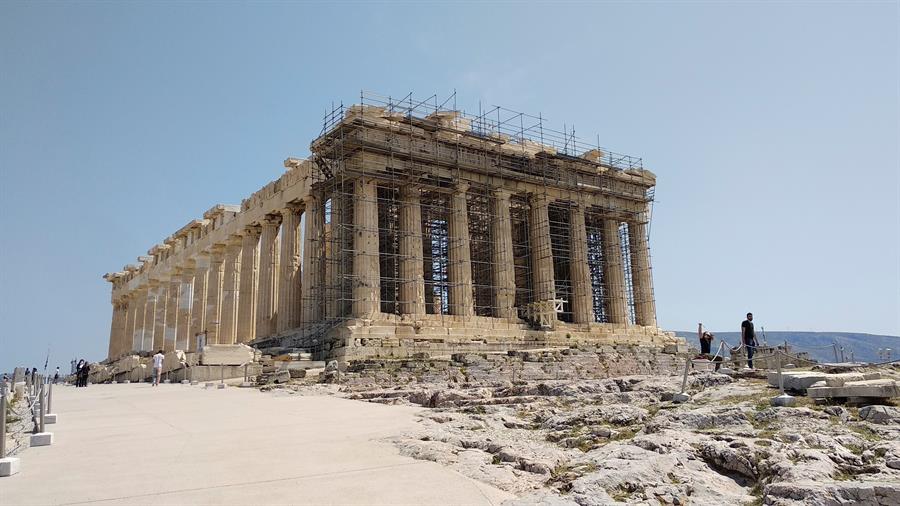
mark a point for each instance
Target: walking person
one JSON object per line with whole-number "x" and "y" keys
{"x": 748, "y": 337}
{"x": 158, "y": 360}
{"x": 56, "y": 376}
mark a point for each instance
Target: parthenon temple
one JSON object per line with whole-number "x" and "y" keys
{"x": 412, "y": 227}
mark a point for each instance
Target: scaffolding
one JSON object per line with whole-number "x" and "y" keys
{"x": 431, "y": 147}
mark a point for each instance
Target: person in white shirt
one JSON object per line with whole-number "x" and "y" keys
{"x": 157, "y": 366}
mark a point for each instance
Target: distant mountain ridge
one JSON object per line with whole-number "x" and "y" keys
{"x": 819, "y": 344}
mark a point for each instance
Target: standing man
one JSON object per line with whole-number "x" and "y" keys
{"x": 748, "y": 337}
{"x": 157, "y": 366}
{"x": 56, "y": 376}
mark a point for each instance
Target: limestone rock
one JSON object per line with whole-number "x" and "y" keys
{"x": 880, "y": 414}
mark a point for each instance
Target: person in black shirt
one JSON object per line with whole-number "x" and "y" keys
{"x": 748, "y": 337}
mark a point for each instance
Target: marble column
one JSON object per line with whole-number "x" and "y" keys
{"x": 268, "y": 276}
{"x": 198, "y": 307}
{"x": 136, "y": 317}
{"x": 172, "y": 305}
{"x": 124, "y": 338}
{"x": 159, "y": 316}
{"x": 290, "y": 272}
{"x": 412, "y": 276}
{"x": 116, "y": 330}
{"x": 249, "y": 284}
{"x": 580, "y": 272}
{"x": 541, "y": 250}
{"x": 614, "y": 273}
{"x": 336, "y": 253}
{"x": 214, "y": 286}
{"x": 459, "y": 268}
{"x": 230, "y": 291}
{"x": 313, "y": 252}
{"x": 366, "y": 269}
{"x": 149, "y": 316}
{"x": 503, "y": 272}
{"x": 641, "y": 273}
{"x": 185, "y": 303}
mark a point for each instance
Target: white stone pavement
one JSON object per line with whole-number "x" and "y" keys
{"x": 178, "y": 444}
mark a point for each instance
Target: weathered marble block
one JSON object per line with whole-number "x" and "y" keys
{"x": 228, "y": 354}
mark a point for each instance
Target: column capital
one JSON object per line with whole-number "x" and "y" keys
{"x": 217, "y": 253}
{"x": 539, "y": 199}
{"x": 252, "y": 230}
{"x": 502, "y": 193}
{"x": 461, "y": 187}
{"x": 234, "y": 240}
{"x": 292, "y": 208}
{"x": 410, "y": 190}
{"x": 310, "y": 200}
{"x": 642, "y": 218}
{"x": 271, "y": 220}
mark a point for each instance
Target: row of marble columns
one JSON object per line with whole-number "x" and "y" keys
{"x": 249, "y": 286}
{"x": 366, "y": 294}
{"x": 261, "y": 282}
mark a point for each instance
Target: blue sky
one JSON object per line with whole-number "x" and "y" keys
{"x": 772, "y": 128}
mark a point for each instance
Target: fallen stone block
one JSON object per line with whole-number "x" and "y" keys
{"x": 797, "y": 381}
{"x": 49, "y": 418}
{"x": 174, "y": 360}
{"x": 838, "y": 380}
{"x": 228, "y": 354}
{"x": 879, "y": 388}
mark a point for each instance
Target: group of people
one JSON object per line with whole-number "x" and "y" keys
{"x": 82, "y": 371}
{"x": 748, "y": 339}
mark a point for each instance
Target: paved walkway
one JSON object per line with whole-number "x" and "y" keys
{"x": 177, "y": 444}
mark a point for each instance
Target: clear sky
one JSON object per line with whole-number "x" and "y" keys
{"x": 772, "y": 128}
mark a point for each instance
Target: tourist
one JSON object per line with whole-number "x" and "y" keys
{"x": 78, "y": 372}
{"x": 56, "y": 376}
{"x": 748, "y": 338}
{"x": 81, "y": 376}
{"x": 706, "y": 339}
{"x": 157, "y": 366}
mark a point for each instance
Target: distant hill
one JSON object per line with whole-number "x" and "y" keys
{"x": 819, "y": 344}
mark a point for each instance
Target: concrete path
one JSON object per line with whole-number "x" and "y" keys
{"x": 177, "y": 444}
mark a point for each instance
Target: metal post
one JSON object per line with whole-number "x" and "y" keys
{"x": 834, "y": 345}
{"x": 851, "y": 356}
{"x": 682, "y": 396}
{"x": 43, "y": 408}
{"x": 3, "y": 422}
{"x": 221, "y": 374}
{"x": 780, "y": 377}
{"x": 781, "y": 399}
